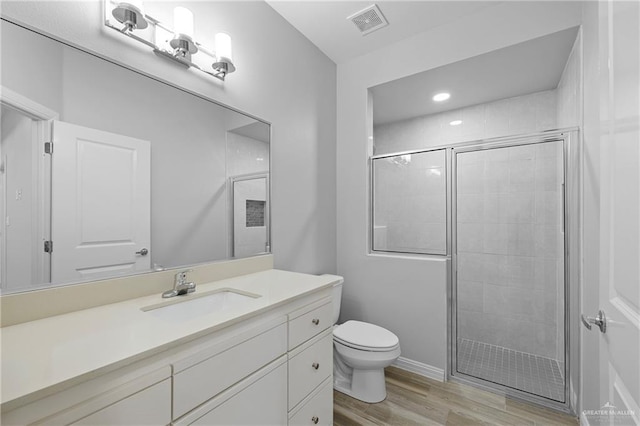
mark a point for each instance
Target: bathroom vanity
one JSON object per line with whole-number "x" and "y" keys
{"x": 253, "y": 349}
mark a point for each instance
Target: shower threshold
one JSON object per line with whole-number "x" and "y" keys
{"x": 519, "y": 370}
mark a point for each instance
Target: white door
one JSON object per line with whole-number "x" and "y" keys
{"x": 620, "y": 212}
{"x": 250, "y": 216}
{"x": 100, "y": 204}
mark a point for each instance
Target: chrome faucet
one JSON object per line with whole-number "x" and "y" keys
{"x": 180, "y": 286}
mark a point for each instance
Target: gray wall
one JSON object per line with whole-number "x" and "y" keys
{"x": 409, "y": 295}
{"x": 19, "y": 201}
{"x": 303, "y": 131}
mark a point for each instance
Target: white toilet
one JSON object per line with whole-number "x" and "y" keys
{"x": 361, "y": 351}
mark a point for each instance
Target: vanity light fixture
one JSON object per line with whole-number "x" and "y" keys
{"x": 439, "y": 97}
{"x": 177, "y": 43}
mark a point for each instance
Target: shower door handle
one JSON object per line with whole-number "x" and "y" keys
{"x": 600, "y": 320}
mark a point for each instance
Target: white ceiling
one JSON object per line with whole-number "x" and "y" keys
{"x": 523, "y": 68}
{"x": 325, "y": 22}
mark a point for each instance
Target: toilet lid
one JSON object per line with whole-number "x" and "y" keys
{"x": 365, "y": 335}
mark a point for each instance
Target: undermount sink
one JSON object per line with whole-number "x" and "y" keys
{"x": 196, "y": 305}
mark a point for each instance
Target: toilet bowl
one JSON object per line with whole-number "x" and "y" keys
{"x": 361, "y": 351}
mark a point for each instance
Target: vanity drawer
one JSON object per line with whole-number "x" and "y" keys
{"x": 317, "y": 408}
{"x": 305, "y": 323}
{"x": 310, "y": 365}
{"x": 148, "y": 407}
{"x": 197, "y": 384}
{"x": 260, "y": 399}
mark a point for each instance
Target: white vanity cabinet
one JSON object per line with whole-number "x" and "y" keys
{"x": 271, "y": 368}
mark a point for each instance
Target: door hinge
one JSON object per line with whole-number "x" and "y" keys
{"x": 48, "y": 147}
{"x": 48, "y": 246}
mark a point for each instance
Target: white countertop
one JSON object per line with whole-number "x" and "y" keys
{"x": 40, "y": 354}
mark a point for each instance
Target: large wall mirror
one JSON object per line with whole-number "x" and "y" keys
{"x": 141, "y": 175}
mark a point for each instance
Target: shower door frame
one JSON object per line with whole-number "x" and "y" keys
{"x": 570, "y": 196}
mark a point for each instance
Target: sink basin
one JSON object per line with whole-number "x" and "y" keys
{"x": 196, "y": 305}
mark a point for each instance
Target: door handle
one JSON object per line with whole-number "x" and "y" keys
{"x": 143, "y": 252}
{"x": 600, "y": 320}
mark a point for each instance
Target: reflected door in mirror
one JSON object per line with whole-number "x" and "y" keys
{"x": 100, "y": 204}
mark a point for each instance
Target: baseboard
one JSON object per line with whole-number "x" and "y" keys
{"x": 420, "y": 368}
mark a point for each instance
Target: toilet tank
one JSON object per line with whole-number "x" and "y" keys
{"x": 337, "y": 299}
{"x": 336, "y": 295}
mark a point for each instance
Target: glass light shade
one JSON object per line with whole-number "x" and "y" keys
{"x": 183, "y": 22}
{"x": 223, "y": 46}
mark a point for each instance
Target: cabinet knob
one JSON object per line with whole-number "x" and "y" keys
{"x": 315, "y": 365}
{"x": 315, "y": 420}
{"x": 315, "y": 321}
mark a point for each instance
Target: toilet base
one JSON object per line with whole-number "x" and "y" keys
{"x": 366, "y": 385}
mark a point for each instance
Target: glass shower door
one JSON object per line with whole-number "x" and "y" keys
{"x": 509, "y": 284}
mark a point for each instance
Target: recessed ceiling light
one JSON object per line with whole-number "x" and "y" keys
{"x": 455, "y": 123}
{"x": 439, "y": 97}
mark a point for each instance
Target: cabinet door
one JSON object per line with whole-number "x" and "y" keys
{"x": 148, "y": 407}
{"x": 264, "y": 402}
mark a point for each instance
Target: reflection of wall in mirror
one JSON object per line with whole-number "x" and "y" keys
{"x": 189, "y": 222}
{"x": 248, "y": 154}
{"x": 245, "y": 154}
{"x": 17, "y": 197}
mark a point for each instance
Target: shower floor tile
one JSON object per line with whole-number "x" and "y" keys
{"x": 526, "y": 372}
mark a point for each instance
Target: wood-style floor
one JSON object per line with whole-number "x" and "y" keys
{"x": 416, "y": 400}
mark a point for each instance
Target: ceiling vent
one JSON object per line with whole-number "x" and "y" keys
{"x": 369, "y": 19}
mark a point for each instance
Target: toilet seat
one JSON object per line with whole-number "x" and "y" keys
{"x": 364, "y": 336}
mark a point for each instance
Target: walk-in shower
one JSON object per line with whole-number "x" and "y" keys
{"x": 508, "y": 284}
{"x": 498, "y": 209}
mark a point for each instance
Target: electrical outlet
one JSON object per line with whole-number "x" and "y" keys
{"x": 18, "y": 194}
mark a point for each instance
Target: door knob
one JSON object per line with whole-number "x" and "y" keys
{"x": 600, "y": 320}
{"x": 143, "y": 252}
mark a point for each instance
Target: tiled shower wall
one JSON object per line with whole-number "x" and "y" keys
{"x": 246, "y": 155}
{"x": 510, "y": 247}
{"x": 512, "y": 116}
